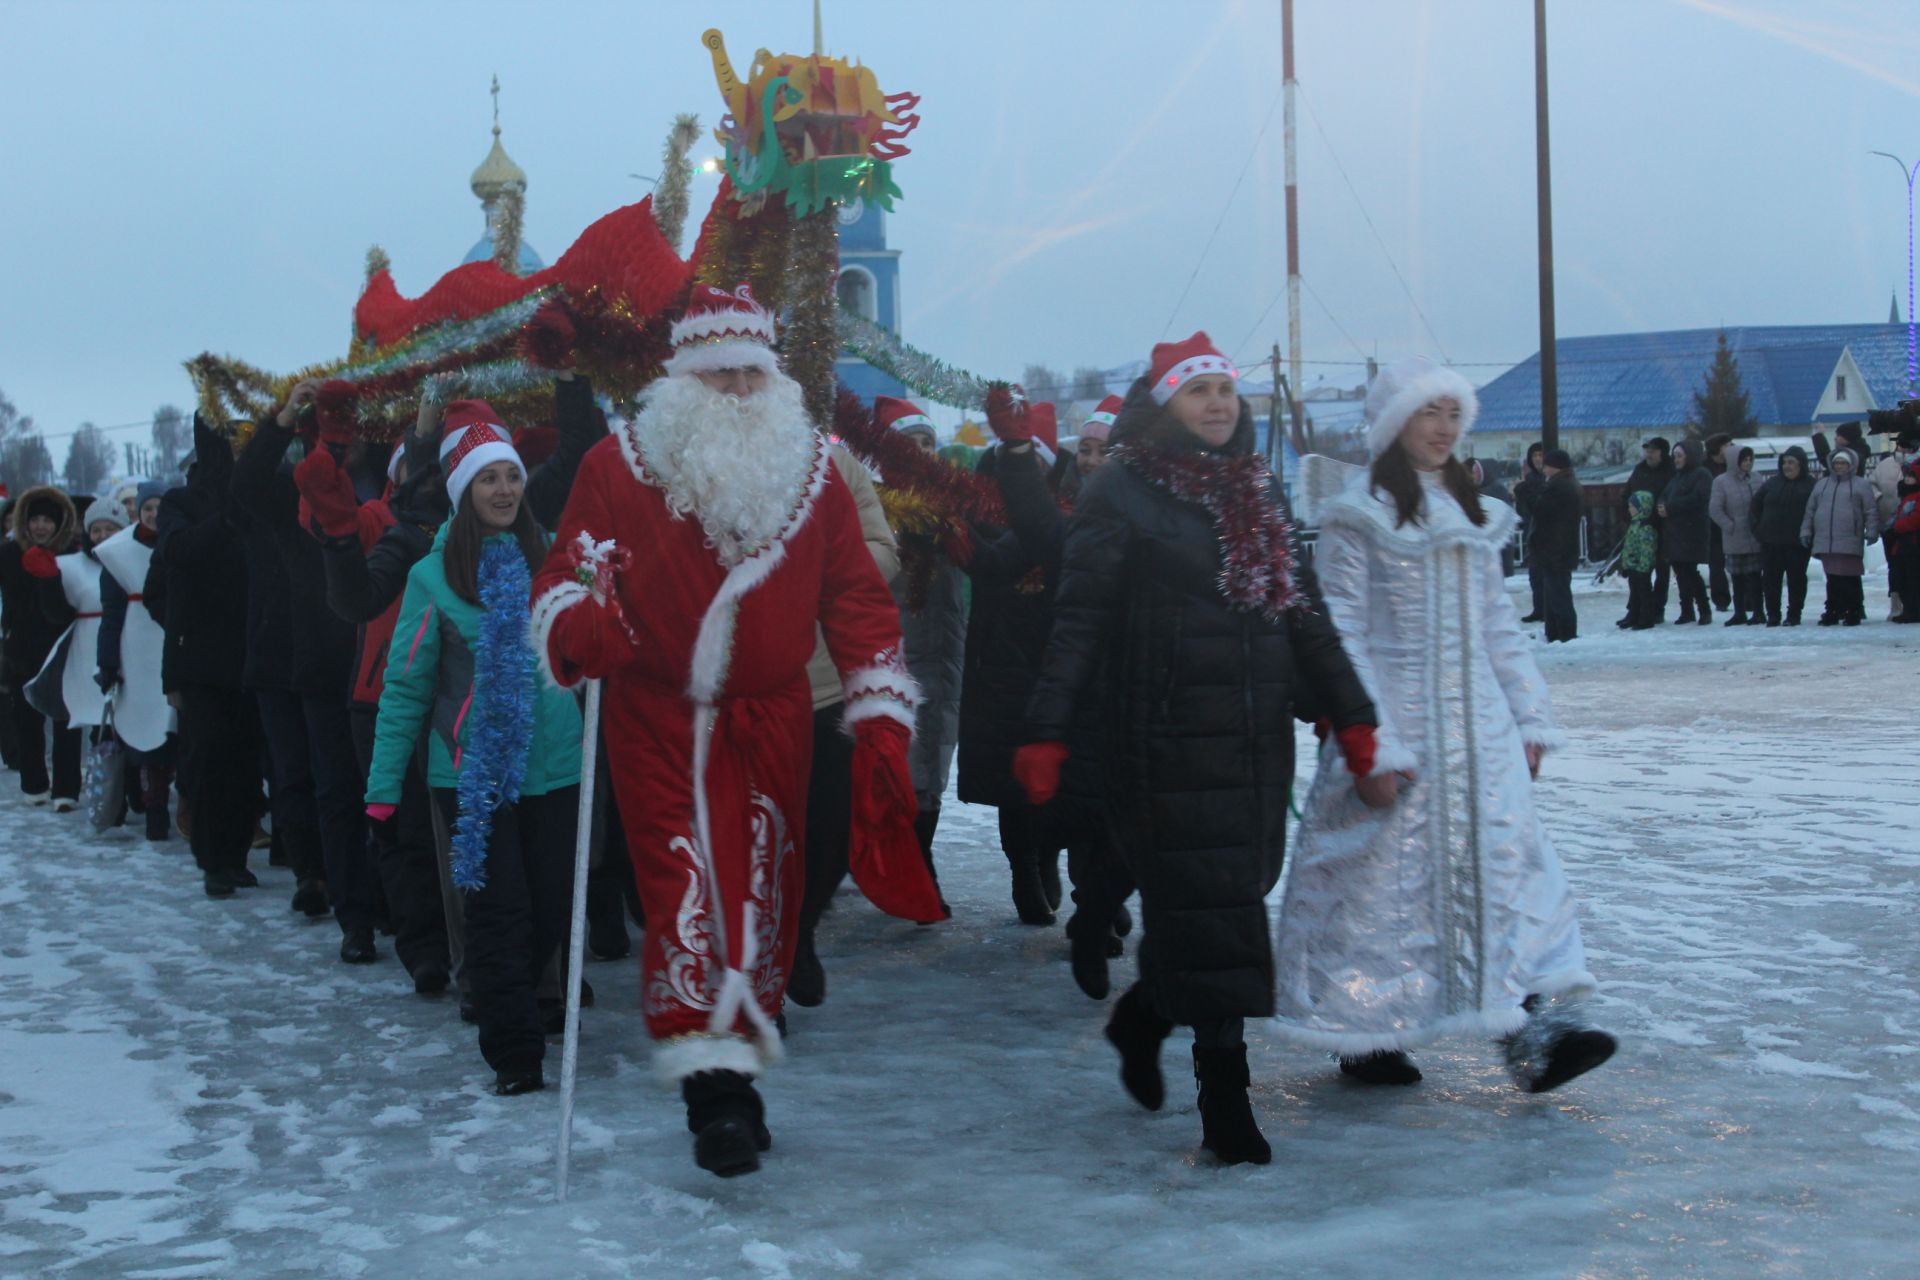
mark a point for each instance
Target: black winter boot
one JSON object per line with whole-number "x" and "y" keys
{"x": 1554, "y": 1046}
{"x": 808, "y": 985}
{"x": 1227, "y": 1126}
{"x": 925, "y": 823}
{"x": 1382, "y": 1066}
{"x": 727, "y": 1120}
{"x": 1029, "y": 891}
{"x": 1088, "y": 942}
{"x": 1138, "y": 1032}
{"x": 515, "y": 1081}
{"x": 1050, "y": 877}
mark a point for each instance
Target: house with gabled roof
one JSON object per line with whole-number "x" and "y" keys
{"x": 1618, "y": 389}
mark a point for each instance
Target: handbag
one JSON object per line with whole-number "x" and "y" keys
{"x": 104, "y": 792}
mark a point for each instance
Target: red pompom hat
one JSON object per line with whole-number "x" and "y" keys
{"x": 1099, "y": 423}
{"x": 1045, "y": 427}
{"x": 902, "y": 415}
{"x": 1174, "y": 363}
{"x": 471, "y": 440}
{"x": 721, "y": 330}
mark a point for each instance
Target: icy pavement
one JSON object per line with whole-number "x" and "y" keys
{"x": 192, "y": 1088}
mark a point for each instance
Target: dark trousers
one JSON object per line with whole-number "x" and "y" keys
{"x": 1717, "y": 580}
{"x": 220, "y": 747}
{"x": 319, "y": 800}
{"x": 1026, "y": 835}
{"x": 1661, "y": 573}
{"x": 829, "y": 824}
{"x": 1846, "y": 597}
{"x": 1562, "y": 622}
{"x": 1693, "y": 591}
{"x": 517, "y": 919}
{"x": 402, "y": 851}
{"x": 1537, "y": 588}
{"x": 1788, "y": 564}
{"x": 30, "y": 744}
{"x": 1640, "y": 610}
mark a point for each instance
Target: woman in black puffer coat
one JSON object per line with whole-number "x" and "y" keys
{"x": 1685, "y": 537}
{"x": 1192, "y": 632}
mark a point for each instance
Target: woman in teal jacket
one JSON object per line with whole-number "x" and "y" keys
{"x": 503, "y": 746}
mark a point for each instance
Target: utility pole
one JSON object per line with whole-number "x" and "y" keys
{"x": 1275, "y": 454}
{"x": 1293, "y": 230}
{"x": 1549, "y": 353}
{"x": 1910, "y": 173}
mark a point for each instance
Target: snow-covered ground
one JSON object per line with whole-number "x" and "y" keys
{"x": 190, "y": 1087}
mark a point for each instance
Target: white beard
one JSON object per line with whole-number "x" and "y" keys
{"x": 737, "y": 466}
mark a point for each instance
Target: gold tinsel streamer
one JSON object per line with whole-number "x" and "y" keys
{"x": 506, "y": 231}
{"x": 676, "y": 174}
{"x": 811, "y": 343}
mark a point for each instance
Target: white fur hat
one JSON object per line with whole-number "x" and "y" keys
{"x": 1401, "y": 390}
{"x": 106, "y": 508}
{"x": 721, "y": 330}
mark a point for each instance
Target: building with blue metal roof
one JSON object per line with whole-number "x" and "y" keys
{"x": 1617, "y": 389}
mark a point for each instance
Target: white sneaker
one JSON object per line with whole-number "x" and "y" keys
{"x": 64, "y": 805}
{"x": 37, "y": 797}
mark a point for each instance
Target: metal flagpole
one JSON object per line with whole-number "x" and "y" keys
{"x": 577, "y": 936}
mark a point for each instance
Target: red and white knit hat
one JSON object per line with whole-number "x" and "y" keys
{"x": 1175, "y": 363}
{"x": 471, "y": 440}
{"x": 721, "y": 330}
{"x": 895, "y": 414}
{"x": 1099, "y": 423}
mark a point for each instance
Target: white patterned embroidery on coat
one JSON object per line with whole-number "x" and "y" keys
{"x": 686, "y": 975}
{"x": 766, "y": 886}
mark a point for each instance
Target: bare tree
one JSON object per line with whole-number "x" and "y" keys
{"x": 1043, "y": 383}
{"x": 170, "y": 436}
{"x": 24, "y": 460}
{"x": 1089, "y": 383}
{"x": 89, "y": 459}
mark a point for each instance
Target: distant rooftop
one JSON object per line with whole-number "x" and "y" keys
{"x": 1648, "y": 379}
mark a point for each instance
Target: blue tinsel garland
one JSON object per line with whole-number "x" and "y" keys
{"x": 500, "y": 733}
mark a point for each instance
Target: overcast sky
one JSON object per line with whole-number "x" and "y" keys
{"x": 188, "y": 175}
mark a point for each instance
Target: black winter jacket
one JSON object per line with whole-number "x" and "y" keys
{"x": 27, "y": 632}
{"x": 1780, "y": 505}
{"x": 1012, "y": 611}
{"x": 288, "y": 576}
{"x": 1196, "y": 699}
{"x": 207, "y": 598}
{"x": 1554, "y": 541}
{"x": 1688, "y": 496}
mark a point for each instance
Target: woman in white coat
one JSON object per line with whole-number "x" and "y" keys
{"x": 86, "y": 702}
{"x": 1446, "y": 912}
{"x": 131, "y": 645}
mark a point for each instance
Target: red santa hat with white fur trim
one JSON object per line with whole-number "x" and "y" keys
{"x": 471, "y": 440}
{"x": 721, "y": 330}
{"x": 1099, "y": 423}
{"x": 895, "y": 414}
{"x": 1176, "y": 363}
{"x": 1403, "y": 389}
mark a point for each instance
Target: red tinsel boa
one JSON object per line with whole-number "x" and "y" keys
{"x": 962, "y": 495}
{"x": 1257, "y": 568}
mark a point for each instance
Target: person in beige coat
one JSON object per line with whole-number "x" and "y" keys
{"x": 830, "y": 785}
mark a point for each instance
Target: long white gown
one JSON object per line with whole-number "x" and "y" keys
{"x": 1441, "y": 914}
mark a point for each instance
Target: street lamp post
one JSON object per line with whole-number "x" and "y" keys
{"x": 1913, "y": 332}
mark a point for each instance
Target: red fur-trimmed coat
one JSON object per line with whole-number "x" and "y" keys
{"x": 709, "y": 727}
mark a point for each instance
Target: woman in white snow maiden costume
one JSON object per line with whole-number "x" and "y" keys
{"x": 1446, "y": 912}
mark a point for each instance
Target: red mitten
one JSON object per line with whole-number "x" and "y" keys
{"x": 589, "y": 640}
{"x": 882, "y": 852}
{"x": 1007, "y": 413}
{"x": 39, "y": 562}
{"x": 333, "y": 406}
{"x": 382, "y": 812}
{"x": 1036, "y": 767}
{"x": 329, "y": 495}
{"x": 1359, "y": 743}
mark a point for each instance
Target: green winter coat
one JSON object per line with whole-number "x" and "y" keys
{"x": 429, "y": 679}
{"x": 1643, "y": 540}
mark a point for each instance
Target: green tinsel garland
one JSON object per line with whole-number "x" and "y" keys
{"x": 921, "y": 373}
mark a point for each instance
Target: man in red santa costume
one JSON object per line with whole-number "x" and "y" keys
{"x": 703, "y": 542}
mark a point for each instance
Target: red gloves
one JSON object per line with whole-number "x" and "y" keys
{"x": 39, "y": 562}
{"x": 883, "y": 853}
{"x": 1359, "y": 744}
{"x": 1036, "y": 767}
{"x": 1007, "y": 413}
{"x": 382, "y": 812}
{"x": 329, "y": 495}
{"x": 590, "y": 640}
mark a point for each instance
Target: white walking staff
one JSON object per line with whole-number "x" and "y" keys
{"x": 577, "y": 935}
